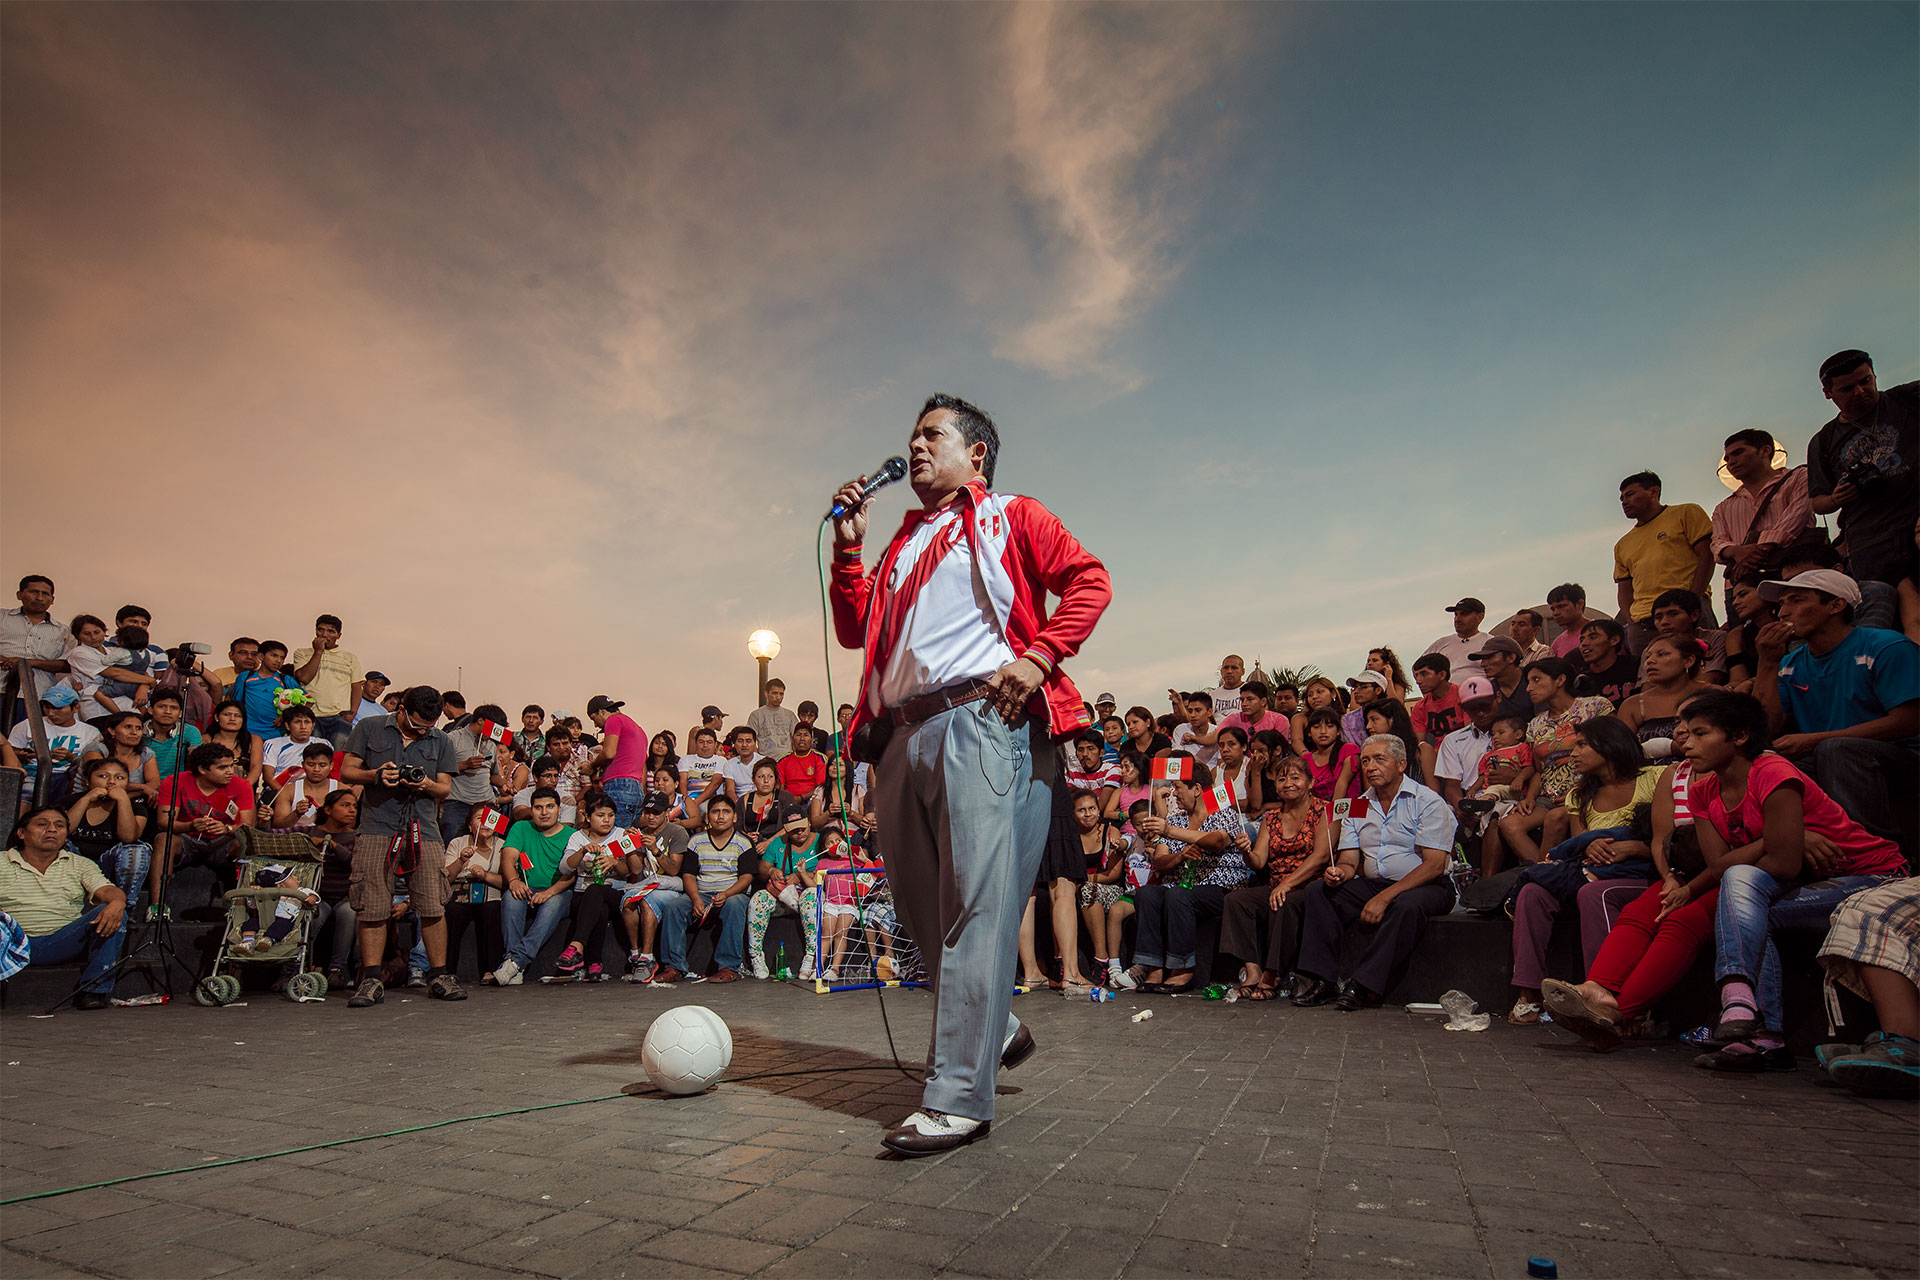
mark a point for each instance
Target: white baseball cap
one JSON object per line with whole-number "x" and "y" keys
{"x": 1367, "y": 677}
{"x": 1829, "y": 581}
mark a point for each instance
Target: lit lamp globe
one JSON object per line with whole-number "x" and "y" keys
{"x": 764, "y": 645}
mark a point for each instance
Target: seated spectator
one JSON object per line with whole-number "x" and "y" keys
{"x": 390, "y": 701}
{"x": 510, "y": 775}
{"x": 771, "y": 722}
{"x": 1333, "y": 762}
{"x": 1508, "y": 755}
{"x": 68, "y": 739}
{"x": 1365, "y": 687}
{"x": 63, "y": 902}
{"x": 296, "y": 807}
{"x": 1551, "y": 734}
{"x": 1144, "y": 735}
{"x": 169, "y": 737}
{"x": 1319, "y": 693}
{"x": 803, "y": 773}
{"x": 1261, "y": 922}
{"x": 1387, "y": 663}
{"x": 334, "y": 834}
{"x": 662, "y": 841}
{"x": 1610, "y": 826}
{"x": 662, "y": 749}
{"x": 1677, "y": 614}
{"x": 1765, "y": 515}
{"x": 1880, "y": 603}
{"x": 1499, "y": 658}
{"x": 1131, "y": 776}
{"x": 699, "y": 768}
{"x": 1233, "y": 763}
{"x": 1196, "y": 734}
{"x": 717, "y": 870}
{"x": 260, "y": 679}
{"x": 85, "y": 661}
{"x": 1845, "y": 700}
{"x": 1751, "y": 809}
{"x": 1113, "y": 732}
{"x": 1198, "y": 866}
{"x": 280, "y": 758}
{"x": 1457, "y": 763}
{"x": 1607, "y": 668}
{"x": 1090, "y": 771}
{"x": 1862, "y": 465}
{"x": 1669, "y": 548}
{"x": 1104, "y": 848}
{"x": 1390, "y": 871}
{"x": 1063, "y": 870}
{"x": 765, "y": 806}
{"x": 1390, "y": 717}
{"x": 1524, "y": 629}
{"x": 743, "y": 753}
{"x": 546, "y": 777}
{"x": 843, "y": 899}
{"x": 1672, "y": 669}
{"x": 1748, "y": 611}
{"x": 1568, "y": 605}
{"x": 788, "y": 888}
{"x": 1873, "y": 949}
{"x": 1438, "y": 712}
{"x": 1263, "y": 750}
{"x": 228, "y": 728}
{"x": 1254, "y": 715}
{"x": 198, "y": 813}
{"x": 107, "y": 822}
{"x": 124, "y": 738}
{"x": 603, "y": 876}
{"x": 536, "y": 882}
{"x": 1467, "y": 637}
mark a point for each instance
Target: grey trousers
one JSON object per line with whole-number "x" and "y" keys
{"x": 963, "y": 804}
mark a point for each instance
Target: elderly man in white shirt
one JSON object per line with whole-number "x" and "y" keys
{"x": 1390, "y": 871}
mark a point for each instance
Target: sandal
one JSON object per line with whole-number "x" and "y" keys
{"x": 1259, "y": 992}
{"x": 1525, "y": 1013}
{"x": 1570, "y": 1010}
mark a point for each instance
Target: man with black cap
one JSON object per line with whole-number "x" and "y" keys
{"x": 1500, "y": 659}
{"x": 375, "y": 685}
{"x": 623, "y": 746}
{"x": 1468, "y": 614}
{"x": 1862, "y": 465}
{"x": 712, "y": 718}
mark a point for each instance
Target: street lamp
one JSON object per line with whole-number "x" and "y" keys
{"x": 765, "y": 647}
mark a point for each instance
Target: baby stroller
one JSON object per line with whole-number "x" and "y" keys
{"x": 277, "y": 870}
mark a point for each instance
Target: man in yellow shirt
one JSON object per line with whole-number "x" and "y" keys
{"x": 334, "y": 677}
{"x": 1667, "y": 548}
{"x": 67, "y": 907}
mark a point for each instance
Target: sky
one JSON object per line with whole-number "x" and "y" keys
{"x": 532, "y": 340}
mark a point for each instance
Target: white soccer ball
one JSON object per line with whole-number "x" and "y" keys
{"x": 686, "y": 1049}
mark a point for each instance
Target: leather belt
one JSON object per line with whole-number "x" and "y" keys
{"x": 929, "y": 705}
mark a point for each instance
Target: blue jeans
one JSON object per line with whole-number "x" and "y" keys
{"x": 1752, "y": 905}
{"x": 127, "y": 866}
{"x": 524, "y": 941}
{"x": 78, "y": 938}
{"x": 626, "y": 794}
{"x": 453, "y": 819}
{"x": 677, "y": 912}
{"x": 335, "y": 729}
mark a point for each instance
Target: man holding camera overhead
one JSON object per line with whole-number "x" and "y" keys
{"x": 407, "y": 766}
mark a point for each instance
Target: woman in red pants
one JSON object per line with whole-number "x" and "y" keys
{"x": 1657, "y": 936}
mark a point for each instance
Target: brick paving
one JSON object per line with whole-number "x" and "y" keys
{"x": 1210, "y": 1140}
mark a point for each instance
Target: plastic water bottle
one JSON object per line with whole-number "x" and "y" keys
{"x": 1543, "y": 1268}
{"x": 1215, "y": 992}
{"x": 1099, "y": 995}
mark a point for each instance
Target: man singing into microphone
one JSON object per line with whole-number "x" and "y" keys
{"x": 961, "y": 696}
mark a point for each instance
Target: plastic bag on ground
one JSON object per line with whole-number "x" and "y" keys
{"x": 1460, "y": 1013}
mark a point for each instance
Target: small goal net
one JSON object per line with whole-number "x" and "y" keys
{"x": 862, "y": 943}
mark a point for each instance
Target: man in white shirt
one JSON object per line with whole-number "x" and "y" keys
{"x": 1197, "y": 736}
{"x": 772, "y": 724}
{"x": 1524, "y": 629}
{"x": 1468, "y": 614}
{"x": 68, "y": 739}
{"x": 743, "y": 747}
{"x": 29, "y": 636}
{"x": 1457, "y": 763}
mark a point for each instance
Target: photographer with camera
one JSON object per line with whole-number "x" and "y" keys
{"x": 406, "y": 765}
{"x": 1862, "y": 464}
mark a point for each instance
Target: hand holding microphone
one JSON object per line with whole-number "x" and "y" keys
{"x": 849, "y": 512}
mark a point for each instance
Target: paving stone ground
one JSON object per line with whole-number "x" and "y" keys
{"x": 1232, "y": 1140}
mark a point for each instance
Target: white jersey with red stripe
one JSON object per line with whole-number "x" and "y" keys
{"x": 950, "y": 632}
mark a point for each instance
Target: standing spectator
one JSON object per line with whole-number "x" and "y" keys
{"x": 1387, "y": 663}
{"x": 169, "y": 737}
{"x": 228, "y": 727}
{"x": 198, "y": 812}
{"x": 29, "y": 635}
{"x": 398, "y": 826}
{"x": 68, "y": 739}
{"x": 372, "y": 688}
{"x": 1668, "y": 548}
{"x": 1766, "y": 514}
{"x": 1367, "y": 687}
{"x": 804, "y": 771}
{"x": 532, "y": 736}
{"x": 453, "y": 706}
{"x": 1226, "y": 696}
{"x": 623, "y": 749}
{"x": 259, "y": 680}
{"x": 1524, "y": 629}
{"x": 1861, "y": 465}
{"x": 1850, "y": 695}
{"x": 1568, "y": 605}
{"x": 1499, "y": 658}
{"x": 1468, "y": 614}
{"x": 536, "y": 880}
{"x": 1677, "y": 613}
{"x": 63, "y": 902}
{"x": 476, "y": 760}
{"x": 1390, "y": 871}
{"x": 334, "y": 677}
{"x": 1607, "y": 668}
{"x": 772, "y": 723}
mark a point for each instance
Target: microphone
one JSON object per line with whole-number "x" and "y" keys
{"x": 894, "y": 468}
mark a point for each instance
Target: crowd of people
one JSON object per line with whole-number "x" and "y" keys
{"x": 1671, "y": 777}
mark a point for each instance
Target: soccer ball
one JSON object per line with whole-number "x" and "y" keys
{"x": 686, "y": 1049}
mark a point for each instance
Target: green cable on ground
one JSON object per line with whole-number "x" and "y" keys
{"x": 318, "y": 1146}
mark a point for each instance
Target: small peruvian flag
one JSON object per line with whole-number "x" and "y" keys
{"x": 286, "y": 775}
{"x": 1218, "y": 799}
{"x": 1355, "y": 809}
{"x": 624, "y": 843}
{"x": 493, "y": 820}
{"x": 497, "y": 732}
{"x": 1178, "y": 768}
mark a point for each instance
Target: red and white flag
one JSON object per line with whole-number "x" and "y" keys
{"x": 493, "y": 820}
{"x": 1355, "y": 809}
{"x": 1219, "y": 797}
{"x": 624, "y": 844}
{"x": 1175, "y": 768}
{"x": 497, "y": 732}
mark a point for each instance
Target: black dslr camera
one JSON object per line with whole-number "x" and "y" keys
{"x": 411, "y": 775}
{"x": 1861, "y": 475}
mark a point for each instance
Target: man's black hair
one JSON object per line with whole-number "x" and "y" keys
{"x": 490, "y": 712}
{"x": 1734, "y": 714}
{"x": 1752, "y": 437}
{"x": 1842, "y": 362}
{"x": 1816, "y": 551}
{"x": 453, "y": 698}
{"x": 1680, "y": 596}
{"x": 721, "y": 798}
{"x": 975, "y": 428}
{"x": 281, "y": 645}
{"x": 207, "y": 755}
{"x": 1258, "y": 688}
{"x": 776, "y": 680}
{"x": 1533, "y": 616}
{"x": 543, "y": 793}
{"x": 1609, "y": 628}
{"x": 1645, "y": 479}
{"x": 733, "y": 734}
{"x": 132, "y": 611}
{"x": 1288, "y": 687}
{"x": 237, "y": 641}
{"x": 559, "y": 731}
{"x": 171, "y": 695}
{"x": 1434, "y": 662}
{"x": 534, "y": 707}
{"x": 317, "y": 751}
{"x": 808, "y": 708}
{"x": 422, "y": 702}
{"x": 20, "y": 830}
{"x": 1090, "y": 737}
{"x": 845, "y": 706}
{"x": 328, "y": 620}
{"x": 1198, "y": 696}
{"x": 1571, "y": 592}
{"x": 35, "y": 577}
{"x": 547, "y": 762}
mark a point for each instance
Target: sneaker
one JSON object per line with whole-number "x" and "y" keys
{"x": 696, "y": 977}
{"x": 757, "y": 968}
{"x": 809, "y": 966}
{"x": 445, "y": 987}
{"x": 640, "y": 968}
{"x": 929, "y": 1132}
{"x": 508, "y": 974}
{"x": 1827, "y": 1053}
{"x": 417, "y": 979}
{"x": 337, "y": 980}
{"x": 1122, "y": 979}
{"x": 1887, "y": 1066}
{"x": 370, "y": 992}
{"x": 596, "y": 972}
{"x": 571, "y": 960}
{"x": 665, "y": 976}
{"x": 726, "y": 975}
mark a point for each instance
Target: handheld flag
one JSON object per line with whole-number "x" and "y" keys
{"x": 625, "y": 843}
{"x": 493, "y": 820}
{"x": 496, "y": 732}
{"x": 1355, "y": 809}
{"x": 1219, "y": 798}
{"x": 1175, "y": 768}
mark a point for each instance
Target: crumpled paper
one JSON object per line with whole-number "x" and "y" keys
{"x": 1459, "y": 1008}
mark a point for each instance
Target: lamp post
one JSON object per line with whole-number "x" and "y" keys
{"x": 765, "y": 647}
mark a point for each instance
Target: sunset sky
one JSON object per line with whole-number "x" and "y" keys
{"x": 533, "y": 340}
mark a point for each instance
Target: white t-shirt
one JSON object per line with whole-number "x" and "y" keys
{"x": 741, "y": 771}
{"x": 698, "y": 770}
{"x": 1183, "y": 741}
{"x": 524, "y": 796}
{"x": 1456, "y": 651}
{"x": 78, "y": 738}
{"x": 583, "y": 871}
{"x": 461, "y": 853}
{"x": 1225, "y": 702}
{"x": 284, "y": 753}
{"x": 85, "y": 663}
{"x": 1459, "y": 755}
{"x": 950, "y": 632}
